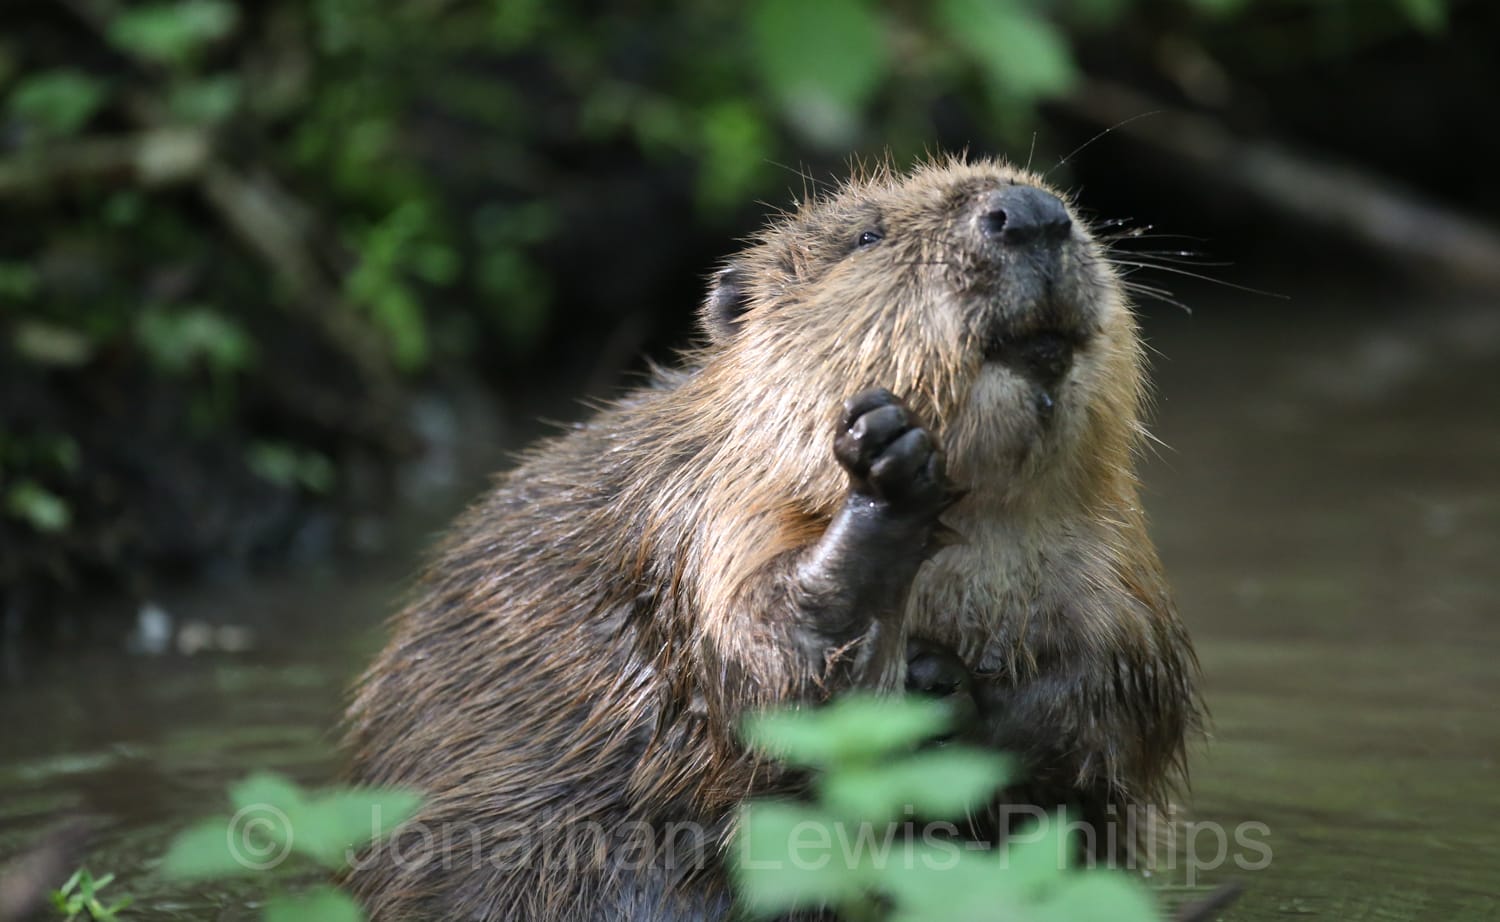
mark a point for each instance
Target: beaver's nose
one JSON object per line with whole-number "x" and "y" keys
{"x": 1017, "y": 215}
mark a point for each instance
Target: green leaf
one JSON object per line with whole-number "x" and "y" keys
{"x": 177, "y": 340}
{"x": 1022, "y": 54}
{"x": 517, "y": 293}
{"x": 398, "y": 312}
{"x": 274, "y": 818}
{"x": 404, "y": 243}
{"x": 373, "y": 813}
{"x": 936, "y": 784}
{"x": 206, "y": 101}
{"x": 1431, "y": 16}
{"x": 320, "y": 904}
{"x": 273, "y": 462}
{"x": 57, "y": 102}
{"x": 18, "y": 281}
{"x": 789, "y": 856}
{"x": 823, "y": 61}
{"x": 288, "y": 466}
{"x": 316, "y": 472}
{"x": 205, "y": 851}
{"x": 737, "y": 144}
{"x": 38, "y": 507}
{"x": 123, "y": 207}
{"x": 517, "y": 22}
{"x": 72, "y": 882}
{"x": 269, "y": 820}
{"x": 951, "y": 881}
{"x": 172, "y": 33}
{"x": 1220, "y": 8}
{"x": 852, "y": 729}
{"x": 267, "y": 789}
{"x": 336, "y": 825}
{"x": 1037, "y": 856}
{"x": 437, "y": 263}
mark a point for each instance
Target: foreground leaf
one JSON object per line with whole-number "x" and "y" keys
{"x": 852, "y": 729}
{"x": 938, "y": 784}
{"x": 338, "y": 824}
{"x": 789, "y": 857}
{"x": 203, "y": 851}
{"x": 320, "y": 904}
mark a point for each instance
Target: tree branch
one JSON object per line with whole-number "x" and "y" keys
{"x": 1338, "y": 196}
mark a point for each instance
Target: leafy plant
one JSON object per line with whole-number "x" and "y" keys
{"x": 176, "y": 341}
{"x": 227, "y": 194}
{"x": 37, "y": 506}
{"x": 57, "y": 103}
{"x": 858, "y": 848}
{"x": 173, "y": 33}
{"x": 288, "y": 466}
{"x": 274, "y": 821}
{"x": 402, "y": 246}
{"x": 79, "y": 898}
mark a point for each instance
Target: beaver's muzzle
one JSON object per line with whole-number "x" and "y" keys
{"x": 1028, "y": 232}
{"x": 1025, "y": 216}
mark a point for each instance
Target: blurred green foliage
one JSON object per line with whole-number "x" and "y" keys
{"x": 289, "y": 466}
{"x": 858, "y": 850}
{"x": 78, "y": 899}
{"x": 275, "y": 820}
{"x": 330, "y": 95}
{"x": 241, "y": 201}
{"x": 37, "y": 506}
{"x": 56, "y": 103}
{"x": 172, "y": 34}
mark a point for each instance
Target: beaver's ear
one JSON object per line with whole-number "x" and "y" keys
{"x": 725, "y": 305}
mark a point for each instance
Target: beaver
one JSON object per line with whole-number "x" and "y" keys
{"x": 901, "y": 454}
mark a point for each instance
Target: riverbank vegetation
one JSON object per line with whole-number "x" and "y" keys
{"x": 242, "y": 239}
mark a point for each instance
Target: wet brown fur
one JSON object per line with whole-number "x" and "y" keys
{"x": 592, "y": 630}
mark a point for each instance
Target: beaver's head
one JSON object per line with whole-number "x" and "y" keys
{"x": 971, "y": 290}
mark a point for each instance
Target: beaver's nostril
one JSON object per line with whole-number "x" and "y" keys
{"x": 1023, "y": 214}
{"x": 994, "y": 222}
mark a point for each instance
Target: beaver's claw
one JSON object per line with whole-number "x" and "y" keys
{"x": 890, "y": 455}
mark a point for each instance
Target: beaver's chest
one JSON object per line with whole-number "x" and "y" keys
{"x": 1012, "y": 602}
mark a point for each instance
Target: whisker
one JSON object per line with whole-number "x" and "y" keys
{"x": 1080, "y": 148}
{"x": 1126, "y": 240}
{"x": 1136, "y": 235}
{"x": 1199, "y": 276}
{"x": 1176, "y": 257}
{"x": 1151, "y": 292}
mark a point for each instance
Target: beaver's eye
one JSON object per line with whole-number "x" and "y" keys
{"x": 870, "y": 238}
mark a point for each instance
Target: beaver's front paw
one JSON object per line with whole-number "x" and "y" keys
{"x": 890, "y": 456}
{"x": 936, "y": 671}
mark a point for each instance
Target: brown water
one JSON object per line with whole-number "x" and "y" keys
{"x": 1329, "y": 508}
{"x": 1328, "y": 503}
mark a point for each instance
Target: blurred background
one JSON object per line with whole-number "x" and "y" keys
{"x": 282, "y": 281}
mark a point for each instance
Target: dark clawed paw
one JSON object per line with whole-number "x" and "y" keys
{"x": 934, "y": 670}
{"x": 890, "y": 455}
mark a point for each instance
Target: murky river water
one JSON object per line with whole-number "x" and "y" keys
{"x": 1328, "y": 504}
